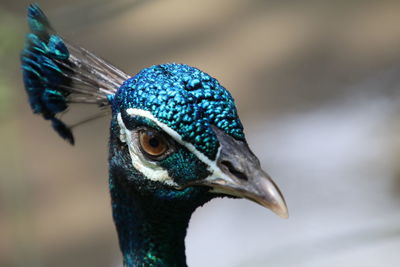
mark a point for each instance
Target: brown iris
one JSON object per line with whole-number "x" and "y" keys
{"x": 152, "y": 143}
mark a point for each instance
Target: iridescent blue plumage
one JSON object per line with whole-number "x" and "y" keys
{"x": 187, "y": 100}
{"x": 182, "y": 110}
{"x": 57, "y": 74}
{"x": 44, "y": 76}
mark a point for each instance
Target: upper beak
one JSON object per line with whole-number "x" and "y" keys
{"x": 239, "y": 174}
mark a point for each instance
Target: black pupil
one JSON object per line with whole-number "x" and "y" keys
{"x": 154, "y": 142}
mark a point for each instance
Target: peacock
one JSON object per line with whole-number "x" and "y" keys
{"x": 176, "y": 140}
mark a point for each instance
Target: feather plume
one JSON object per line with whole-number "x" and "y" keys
{"x": 57, "y": 73}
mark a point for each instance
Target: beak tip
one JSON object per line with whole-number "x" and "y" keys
{"x": 273, "y": 199}
{"x": 281, "y": 210}
{"x": 284, "y": 214}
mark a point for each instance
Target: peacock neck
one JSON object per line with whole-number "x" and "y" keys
{"x": 151, "y": 220}
{"x": 151, "y": 232}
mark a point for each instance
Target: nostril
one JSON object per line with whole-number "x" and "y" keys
{"x": 233, "y": 170}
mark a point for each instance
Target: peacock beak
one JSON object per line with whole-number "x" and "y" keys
{"x": 239, "y": 174}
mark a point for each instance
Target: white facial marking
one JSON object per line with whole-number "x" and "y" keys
{"x": 216, "y": 172}
{"x": 149, "y": 169}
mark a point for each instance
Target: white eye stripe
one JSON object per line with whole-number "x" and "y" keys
{"x": 149, "y": 169}
{"x": 212, "y": 167}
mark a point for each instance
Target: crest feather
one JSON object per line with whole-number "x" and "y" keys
{"x": 57, "y": 73}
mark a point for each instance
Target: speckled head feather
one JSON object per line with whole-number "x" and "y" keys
{"x": 187, "y": 100}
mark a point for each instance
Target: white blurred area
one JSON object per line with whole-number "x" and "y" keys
{"x": 337, "y": 169}
{"x": 317, "y": 85}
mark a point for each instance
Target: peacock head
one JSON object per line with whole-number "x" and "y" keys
{"x": 176, "y": 134}
{"x": 175, "y": 131}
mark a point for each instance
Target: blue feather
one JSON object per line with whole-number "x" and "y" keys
{"x": 56, "y": 74}
{"x": 43, "y": 76}
{"x": 62, "y": 130}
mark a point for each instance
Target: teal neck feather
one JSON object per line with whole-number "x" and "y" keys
{"x": 151, "y": 232}
{"x": 151, "y": 220}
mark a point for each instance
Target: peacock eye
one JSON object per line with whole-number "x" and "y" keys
{"x": 152, "y": 143}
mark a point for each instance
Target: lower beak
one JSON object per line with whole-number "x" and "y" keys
{"x": 259, "y": 188}
{"x": 238, "y": 173}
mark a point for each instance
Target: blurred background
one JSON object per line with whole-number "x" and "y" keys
{"x": 317, "y": 85}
